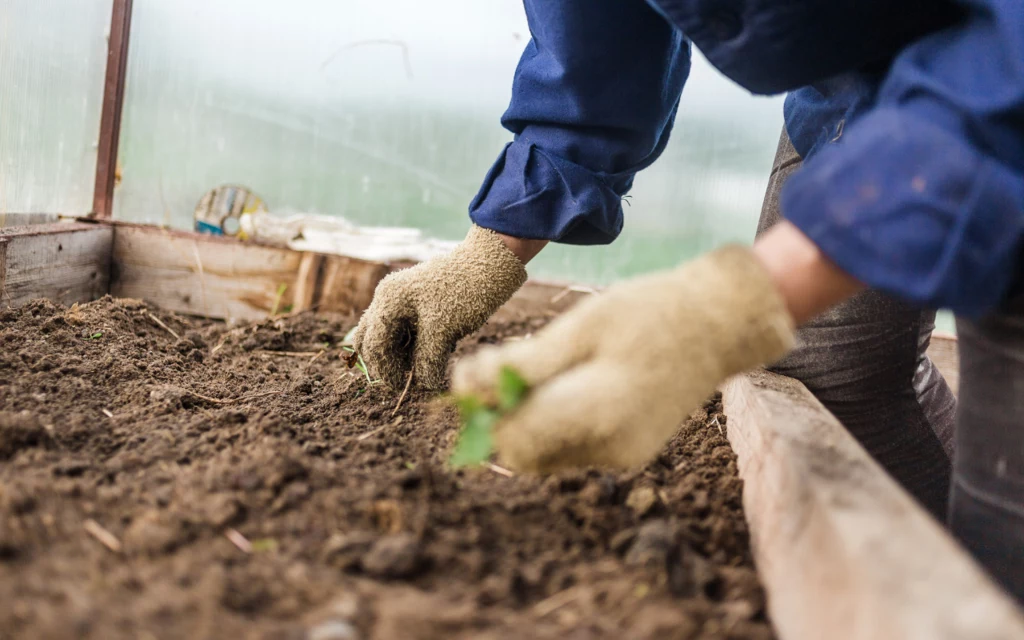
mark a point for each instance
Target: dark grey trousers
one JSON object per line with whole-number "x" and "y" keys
{"x": 865, "y": 360}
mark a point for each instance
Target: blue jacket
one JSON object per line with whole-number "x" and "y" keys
{"x": 909, "y": 114}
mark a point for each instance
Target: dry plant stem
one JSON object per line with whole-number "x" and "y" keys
{"x": 401, "y": 398}
{"x": 556, "y": 602}
{"x": 107, "y": 412}
{"x": 105, "y": 538}
{"x": 238, "y": 540}
{"x": 719, "y": 425}
{"x": 231, "y": 400}
{"x": 290, "y": 354}
{"x": 164, "y": 326}
{"x": 501, "y": 471}
{"x": 370, "y": 434}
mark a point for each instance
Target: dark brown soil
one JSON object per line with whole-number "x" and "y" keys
{"x": 130, "y": 459}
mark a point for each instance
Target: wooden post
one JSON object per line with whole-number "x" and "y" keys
{"x": 113, "y": 101}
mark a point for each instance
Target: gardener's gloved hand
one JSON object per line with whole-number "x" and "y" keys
{"x": 612, "y": 380}
{"x": 418, "y": 314}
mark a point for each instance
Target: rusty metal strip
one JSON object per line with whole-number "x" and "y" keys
{"x": 4, "y": 297}
{"x": 113, "y": 101}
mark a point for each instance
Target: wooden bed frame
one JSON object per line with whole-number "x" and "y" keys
{"x": 844, "y": 553}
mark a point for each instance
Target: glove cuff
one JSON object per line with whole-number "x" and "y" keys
{"x": 748, "y": 322}
{"x": 496, "y": 272}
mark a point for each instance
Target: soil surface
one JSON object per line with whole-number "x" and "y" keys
{"x": 242, "y": 482}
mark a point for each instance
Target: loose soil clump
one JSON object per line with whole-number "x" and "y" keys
{"x": 166, "y": 477}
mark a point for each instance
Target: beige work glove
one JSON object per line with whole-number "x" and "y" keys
{"x": 418, "y": 314}
{"x": 612, "y": 380}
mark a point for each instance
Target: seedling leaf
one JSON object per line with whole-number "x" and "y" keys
{"x": 476, "y": 443}
{"x": 512, "y": 389}
{"x": 96, "y": 336}
{"x": 264, "y": 545}
{"x": 281, "y": 288}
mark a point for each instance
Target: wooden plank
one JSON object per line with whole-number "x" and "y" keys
{"x": 943, "y": 352}
{"x": 349, "y": 283}
{"x": 223, "y": 278}
{"x": 845, "y": 553}
{"x": 66, "y": 263}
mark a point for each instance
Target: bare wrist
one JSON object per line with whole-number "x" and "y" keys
{"x": 807, "y": 280}
{"x": 524, "y": 248}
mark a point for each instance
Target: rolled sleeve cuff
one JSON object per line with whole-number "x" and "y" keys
{"x": 910, "y": 208}
{"x": 532, "y": 194}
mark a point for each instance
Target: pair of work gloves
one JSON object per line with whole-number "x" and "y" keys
{"x": 611, "y": 380}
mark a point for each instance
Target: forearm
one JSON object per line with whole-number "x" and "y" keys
{"x": 808, "y": 281}
{"x": 524, "y": 248}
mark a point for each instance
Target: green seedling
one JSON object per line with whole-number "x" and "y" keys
{"x": 476, "y": 443}
{"x": 277, "y": 300}
{"x": 96, "y": 336}
{"x": 264, "y": 545}
{"x": 356, "y": 360}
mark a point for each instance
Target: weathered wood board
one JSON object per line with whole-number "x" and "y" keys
{"x": 843, "y": 551}
{"x": 64, "y": 262}
{"x": 226, "y": 279}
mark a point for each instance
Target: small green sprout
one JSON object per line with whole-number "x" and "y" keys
{"x": 476, "y": 442}
{"x": 356, "y": 360}
{"x": 264, "y": 545}
{"x": 96, "y": 336}
{"x": 277, "y": 300}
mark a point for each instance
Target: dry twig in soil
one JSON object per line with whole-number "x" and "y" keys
{"x": 238, "y": 540}
{"x": 105, "y": 538}
{"x": 501, "y": 471}
{"x": 401, "y": 398}
{"x": 255, "y": 396}
{"x": 163, "y": 326}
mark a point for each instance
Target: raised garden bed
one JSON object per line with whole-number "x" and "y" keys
{"x": 164, "y": 476}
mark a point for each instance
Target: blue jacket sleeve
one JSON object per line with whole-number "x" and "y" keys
{"x": 924, "y": 195}
{"x": 593, "y": 101}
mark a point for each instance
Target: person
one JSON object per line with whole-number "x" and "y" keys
{"x": 898, "y": 188}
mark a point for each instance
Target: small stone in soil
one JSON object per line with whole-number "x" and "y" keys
{"x": 396, "y": 556}
{"x": 333, "y": 630}
{"x": 643, "y": 500}
{"x": 653, "y": 544}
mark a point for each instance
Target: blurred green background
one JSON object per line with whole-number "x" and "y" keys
{"x": 384, "y": 113}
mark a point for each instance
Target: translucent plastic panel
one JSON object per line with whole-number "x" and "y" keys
{"x": 387, "y": 112}
{"x": 52, "y": 61}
